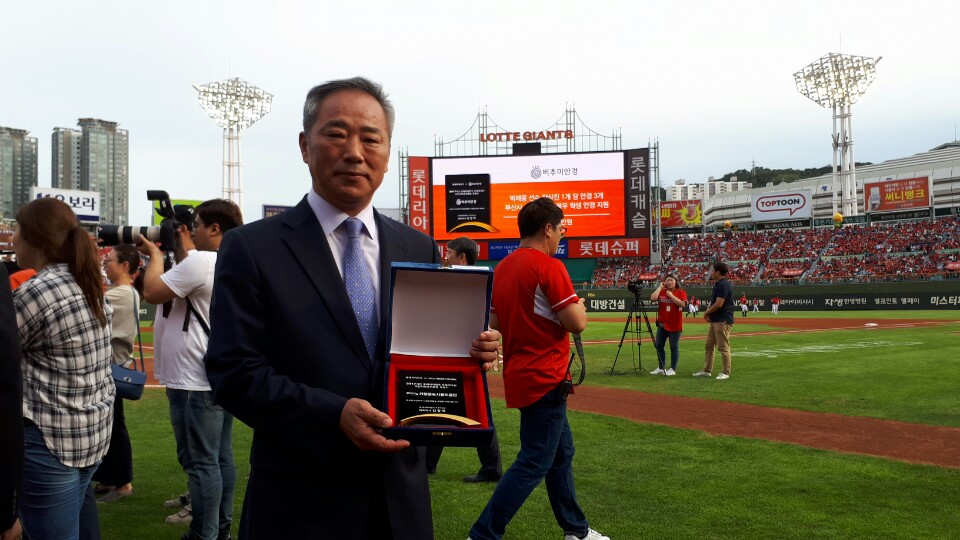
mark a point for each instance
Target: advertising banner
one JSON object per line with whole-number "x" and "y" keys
{"x": 889, "y": 195}
{"x": 481, "y": 196}
{"x": 685, "y": 213}
{"x": 420, "y": 193}
{"x": 157, "y": 218}
{"x": 85, "y": 204}
{"x": 786, "y": 205}
{"x": 637, "y": 167}
{"x": 270, "y": 210}
{"x": 777, "y": 225}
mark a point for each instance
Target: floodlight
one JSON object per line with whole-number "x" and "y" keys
{"x": 234, "y": 104}
{"x": 836, "y": 81}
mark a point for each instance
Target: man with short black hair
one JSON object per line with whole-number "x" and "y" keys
{"x": 202, "y": 429}
{"x": 464, "y": 252}
{"x": 719, "y": 317}
{"x": 536, "y": 308}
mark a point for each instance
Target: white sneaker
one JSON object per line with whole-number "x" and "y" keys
{"x": 702, "y": 373}
{"x": 670, "y": 372}
{"x": 179, "y": 502}
{"x": 657, "y": 371}
{"x": 722, "y": 377}
{"x": 183, "y": 517}
{"x": 591, "y": 535}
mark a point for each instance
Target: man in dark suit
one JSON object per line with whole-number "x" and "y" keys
{"x": 11, "y": 413}
{"x": 295, "y": 355}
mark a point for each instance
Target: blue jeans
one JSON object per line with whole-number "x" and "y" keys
{"x": 52, "y": 492}
{"x": 662, "y": 335}
{"x": 546, "y": 453}
{"x": 204, "y": 436}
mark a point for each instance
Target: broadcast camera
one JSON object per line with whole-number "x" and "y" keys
{"x": 164, "y": 235}
{"x": 634, "y": 286}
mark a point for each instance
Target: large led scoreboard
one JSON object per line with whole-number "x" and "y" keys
{"x": 604, "y": 196}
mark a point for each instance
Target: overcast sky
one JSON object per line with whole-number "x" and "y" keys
{"x": 711, "y": 80}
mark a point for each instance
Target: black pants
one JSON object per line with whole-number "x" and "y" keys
{"x": 116, "y": 469}
{"x": 489, "y": 458}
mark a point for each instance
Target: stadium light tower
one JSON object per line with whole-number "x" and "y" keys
{"x": 836, "y": 81}
{"x": 234, "y": 104}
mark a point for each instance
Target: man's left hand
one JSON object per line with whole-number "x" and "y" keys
{"x": 486, "y": 349}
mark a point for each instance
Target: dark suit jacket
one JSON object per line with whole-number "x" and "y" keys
{"x": 11, "y": 407}
{"x": 285, "y": 354}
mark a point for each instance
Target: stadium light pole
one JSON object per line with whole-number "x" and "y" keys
{"x": 234, "y": 104}
{"x": 836, "y": 81}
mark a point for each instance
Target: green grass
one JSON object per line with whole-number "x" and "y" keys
{"x": 891, "y": 373}
{"x": 645, "y": 481}
{"x": 633, "y": 480}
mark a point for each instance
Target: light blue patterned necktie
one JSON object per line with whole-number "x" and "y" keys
{"x": 359, "y": 284}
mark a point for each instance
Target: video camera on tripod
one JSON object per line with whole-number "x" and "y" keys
{"x": 637, "y": 311}
{"x": 164, "y": 235}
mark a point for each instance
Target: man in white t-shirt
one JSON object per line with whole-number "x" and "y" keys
{"x": 202, "y": 429}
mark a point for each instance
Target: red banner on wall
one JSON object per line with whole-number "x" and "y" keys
{"x": 897, "y": 194}
{"x": 611, "y": 247}
{"x": 420, "y": 193}
{"x": 685, "y": 213}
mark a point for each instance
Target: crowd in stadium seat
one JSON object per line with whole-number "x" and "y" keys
{"x": 889, "y": 251}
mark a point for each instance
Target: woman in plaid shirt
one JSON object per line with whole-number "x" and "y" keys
{"x": 68, "y": 390}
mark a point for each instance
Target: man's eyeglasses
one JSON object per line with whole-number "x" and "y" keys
{"x": 562, "y": 229}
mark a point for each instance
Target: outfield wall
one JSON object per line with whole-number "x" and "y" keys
{"x": 940, "y": 295}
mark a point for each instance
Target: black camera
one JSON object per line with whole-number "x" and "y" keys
{"x": 164, "y": 235}
{"x": 634, "y": 286}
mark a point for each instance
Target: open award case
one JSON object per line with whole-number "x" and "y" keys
{"x": 434, "y": 391}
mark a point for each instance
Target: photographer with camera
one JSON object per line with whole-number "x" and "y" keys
{"x": 535, "y": 307}
{"x": 671, "y": 300}
{"x": 202, "y": 429}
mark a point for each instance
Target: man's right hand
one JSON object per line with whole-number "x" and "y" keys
{"x": 13, "y": 533}
{"x": 360, "y": 422}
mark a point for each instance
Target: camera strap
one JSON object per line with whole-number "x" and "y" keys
{"x": 578, "y": 346}
{"x": 186, "y": 318}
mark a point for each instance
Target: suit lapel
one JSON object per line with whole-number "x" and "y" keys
{"x": 393, "y": 248}
{"x": 307, "y": 242}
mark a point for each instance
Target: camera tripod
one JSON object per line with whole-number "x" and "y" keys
{"x": 636, "y": 312}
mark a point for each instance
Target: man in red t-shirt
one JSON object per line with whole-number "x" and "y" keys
{"x": 743, "y": 305}
{"x": 535, "y": 307}
{"x": 775, "y": 304}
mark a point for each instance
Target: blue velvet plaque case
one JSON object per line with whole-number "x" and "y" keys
{"x": 434, "y": 391}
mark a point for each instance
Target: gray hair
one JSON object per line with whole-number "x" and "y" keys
{"x": 318, "y": 93}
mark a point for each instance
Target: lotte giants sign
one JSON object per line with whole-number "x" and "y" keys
{"x": 796, "y": 204}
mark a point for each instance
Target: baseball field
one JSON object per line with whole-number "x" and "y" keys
{"x": 832, "y": 425}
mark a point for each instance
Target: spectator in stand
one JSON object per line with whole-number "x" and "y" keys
{"x": 671, "y": 300}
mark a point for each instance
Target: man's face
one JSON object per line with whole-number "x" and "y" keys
{"x": 347, "y": 149}
{"x": 201, "y": 236}
{"x": 453, "y": 257}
